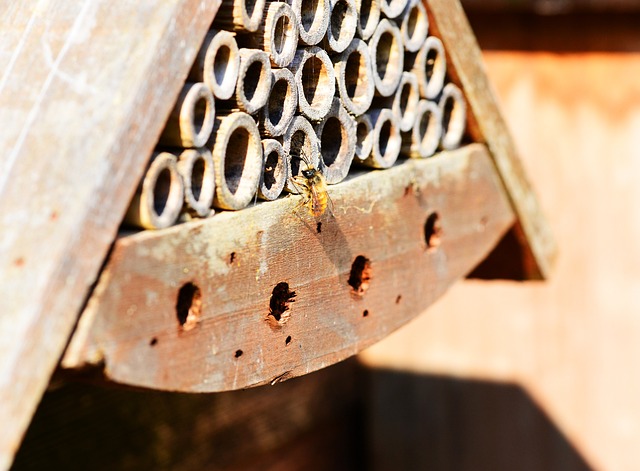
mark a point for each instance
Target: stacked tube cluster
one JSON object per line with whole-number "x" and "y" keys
{"x": 332, "y": 82}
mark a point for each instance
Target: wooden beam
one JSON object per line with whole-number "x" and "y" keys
{"x": 196, "y": 307}
{"x": 85, "y": 90}
{"x": 449, "y": 23}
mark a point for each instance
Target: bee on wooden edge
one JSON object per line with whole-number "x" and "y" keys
{"x": 312, "y": 185}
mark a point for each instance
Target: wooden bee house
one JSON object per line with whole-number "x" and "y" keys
{"x": 93, "y": 98}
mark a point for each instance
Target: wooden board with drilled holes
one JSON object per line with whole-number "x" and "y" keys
{"x": 139, "y": 331}
{"x": 85, "y": 90}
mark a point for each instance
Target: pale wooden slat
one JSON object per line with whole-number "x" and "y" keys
{"x": 131, "y": 327}
{"x": 84, "y": 92}
{"x": 448, "y": 21}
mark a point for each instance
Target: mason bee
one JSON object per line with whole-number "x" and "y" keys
{"x": 313, "y": 188}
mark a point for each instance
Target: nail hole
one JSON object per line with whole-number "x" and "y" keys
{"x": 365, "y": 313}
{"x": 238, "y": 353}
{"x": 153, "y": 342}
{"x": 360, "y": 275}
{"x": 281, "y": 297}
{"x": 398, "y": 299}
{"x": 232, "y": 257}
{"x": 432, "y": 231}
{"x": 189, "y": 306}
{"x": 319, "y": 227}
{"x": 288, "y": 340}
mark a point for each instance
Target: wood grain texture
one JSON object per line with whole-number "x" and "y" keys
{"x": 466, "y": 68}
{"x": 85, "y": 90}
{"x": 131, "y": 327}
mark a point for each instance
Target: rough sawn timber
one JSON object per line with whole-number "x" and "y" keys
{"x": 465, "y": 65}
{"x": 130, "y": 327}
{"x": 85, "y": 89}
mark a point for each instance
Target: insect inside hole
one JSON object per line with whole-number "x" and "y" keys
{"x": 312, "y": 185}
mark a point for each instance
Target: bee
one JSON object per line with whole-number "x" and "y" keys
{"x": 313, "y": 188}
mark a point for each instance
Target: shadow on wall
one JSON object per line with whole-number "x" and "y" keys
{"x": 439, "y": 423}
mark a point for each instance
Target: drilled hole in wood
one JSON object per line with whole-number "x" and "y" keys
{"x": 189, "y": 306}
{"x": 288, "y": 340}
{"x": 360, "y": 275}
{"x": 232, "y": 257}
{"x": 398, "y": 299}
{"x": 153, "y": 342}
{"x": 281, "y": 297}
{"x": 432, "y": 231}
{"x": 238, "y": 353}
{"x": 319, "y": 227}
{"x": 365, "y": 313}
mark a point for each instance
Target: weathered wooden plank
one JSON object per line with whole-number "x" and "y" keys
{"x": 137, "y": 327}
{"x": 85, "y": 90}
{"x": 448, "y": 21}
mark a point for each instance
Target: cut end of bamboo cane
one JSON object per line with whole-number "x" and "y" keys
{"x": 353, "y": 76}
{"x": 427, "y": 130}
{"x": 364, "y": 137}
{"x": 313, "y": 17}
{"x": 247, "y": 14}
{"x": 282, "y": 103}
{"x": 254, "y": 80}
{"x": 280, "y": 34}
{"x": 217, "y": 64}
{"x": 195, "y": 166}
{"x": 158, "y": 201}
{"x": 191, "y": 120}
{"x": 368, "y": 17}
{"x": 300, "y": 138}
{"x": 393, "y": 8}
{"x": 315, "y": 80}
{"x": 387, "y": 141}
{"x": 337, "y": 136}
{"x": 453, "y": 108}
{"x": 405, "y": 102}
{"x": 415, "y": 26}
{"x": 431, "y": 68}
{"x": 387, "y": 54}
{"x": 237, "y": 157}
{"x": 274, "y": 173}
{"x": 342, "y": 24}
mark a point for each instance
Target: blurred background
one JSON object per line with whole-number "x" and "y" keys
{"x": 495, "y": 376}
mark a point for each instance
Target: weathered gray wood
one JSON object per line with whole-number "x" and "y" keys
{"x": 465, "y": 65}
{"x": 85, "y": 89}
{"x": 228, "y": 339}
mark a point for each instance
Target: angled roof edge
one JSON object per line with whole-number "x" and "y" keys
{"x": 449, "y": 22}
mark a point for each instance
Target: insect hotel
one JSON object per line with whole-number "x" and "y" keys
{"x": 205, "y": 196}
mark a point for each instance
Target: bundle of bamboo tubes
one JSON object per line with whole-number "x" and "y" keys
{"x": 331, "y": 82}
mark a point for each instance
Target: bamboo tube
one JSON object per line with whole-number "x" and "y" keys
{"x": 195, "y": 166}
{"x": 243, "y": 15}
{"x": 405, "y": 102}
{"x": 415, "y": 26}
{"x": 300, "y": 138}
{"x": 427, "y": 130}
{"x": 315, "y": 80}
{"x": 277, "y": 34}
{"x": 386, "y": 139}
{"x": 354, "y": 77}
{"x": 364, "y": 136}
{"x": 237, "y": 157}
{"x": 368, "y": 17}
{"x": 387, "y": 54}
{"x": 431, "y": 68}
{"x": 217, "y": 64}
{"x": 191, "y": 120}
{"x": 281, "y": 105}
{"x": 274, "y": 174}
{"x": 337, "y": 136}
{"x": 313, "y": 18}
{"x": 342, "y": 25}
{"x": 454, "y": 116}
{"x": 254, "y": 80}
{"x": 393, "y": 8}
{"x": 159, "y": 198}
